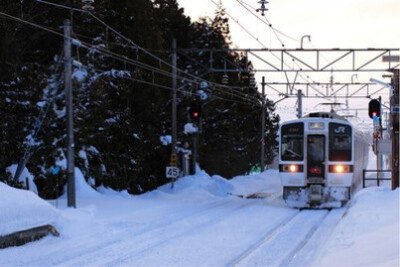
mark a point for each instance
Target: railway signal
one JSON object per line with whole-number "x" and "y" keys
{"x": 195, "y": 111}
{"x": 374, "y": 108}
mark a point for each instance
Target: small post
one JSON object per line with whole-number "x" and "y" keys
{"x": 69, "y": 109}
{"x": 363, "y": 186}
{"x": 263, "y": 125}
{"x": 27, "y": 183}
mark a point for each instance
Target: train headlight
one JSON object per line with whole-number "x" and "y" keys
{"x": 293, "y": 168}
{"x": 340, "y": 168}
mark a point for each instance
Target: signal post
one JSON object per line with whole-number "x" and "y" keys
{"x": 394, "y": 110}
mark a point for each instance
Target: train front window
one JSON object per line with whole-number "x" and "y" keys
{"x": 339, "y": 142}
{"x": 292, "y": 139}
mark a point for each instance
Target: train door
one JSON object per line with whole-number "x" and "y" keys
{"x": 316, "y": 158}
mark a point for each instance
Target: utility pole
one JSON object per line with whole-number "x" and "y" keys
{"x": 379, "y": 155}
{"x": 394, "y": 110}
{"x": 299, "y": 104}
{"x": 173, "y": 150}
{"x": 263, "y": 125}
{"x": 69, "y": 108}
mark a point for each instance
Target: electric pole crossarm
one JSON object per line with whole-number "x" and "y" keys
{"x": 366, "y": 85}
{"x": 263, "y": 60}
{"x": 372, "y": 60}
{"x": 346, "y": 57}
{"x": 276, "y": 90}
{"x": 378, "y": 91}
{"x": 336, "y": 60}
{"x": 298, "y": 60}
{"x": 316, "y": 90}
{"x": 340, "y": 89}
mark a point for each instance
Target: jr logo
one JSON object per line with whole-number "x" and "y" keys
{"x": 339, "y": 130}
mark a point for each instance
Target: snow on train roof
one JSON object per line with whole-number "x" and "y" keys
{"x": 319, "y": 115}
{"x": 327, "y": 115}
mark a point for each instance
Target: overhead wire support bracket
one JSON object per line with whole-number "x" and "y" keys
{"x": 347, "y": 58}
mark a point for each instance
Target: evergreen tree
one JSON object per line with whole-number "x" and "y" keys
{"x": 230, "y": 141}
{"x": 119, "y": 115}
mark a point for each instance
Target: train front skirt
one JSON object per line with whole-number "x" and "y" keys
{"x": 316, "y": 196}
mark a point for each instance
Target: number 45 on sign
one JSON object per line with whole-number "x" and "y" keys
{"x": 171, "y": 172}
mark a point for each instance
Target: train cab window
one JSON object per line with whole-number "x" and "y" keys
{"x": 339, "y": 142}
{"x": 292, "y": 139}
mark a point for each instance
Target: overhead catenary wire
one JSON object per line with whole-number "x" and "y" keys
{"x": 118, "y": 34}
{"x": 249, "y": 8}
{"x": 255, "y": 38}
{"x": 117, "y": 56}
{"x": 131, "y": 42}
{"x": 104, "y": 72}
{"x": 217, "y": 87}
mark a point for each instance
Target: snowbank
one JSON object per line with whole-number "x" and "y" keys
{"x": 25, "y": 174}
{"x": 115, "y": 228}
{"x": 21, "y": 209}
{"x": 369, "y": 234}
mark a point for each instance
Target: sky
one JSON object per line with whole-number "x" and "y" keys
{"x": 331, "y": 24}
{"x": 339, "y": 23}
{"x": 203, "y": 221}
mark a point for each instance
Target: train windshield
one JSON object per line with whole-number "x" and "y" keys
{"x": 339, "y": 142}
{"x": 292, "y": 139}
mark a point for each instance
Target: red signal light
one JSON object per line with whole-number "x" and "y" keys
{"x": 195, "y": 114}
{"x": 374, "y": 108}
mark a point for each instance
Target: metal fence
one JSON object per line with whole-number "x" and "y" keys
{"x": 379, "y": 177}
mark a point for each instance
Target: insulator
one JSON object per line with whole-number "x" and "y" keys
{"x": 225, "y": 79}
{"x": 263, "y": 8}
{"x": 88, "y": 2}
{"x": 88, "y": 7}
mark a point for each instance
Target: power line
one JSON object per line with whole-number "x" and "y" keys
{"x": 255, "y": 38}
{"x": 240, "y": 25}
{"x": 242, "y": 100}
{"x": 244, "y": 4}
{"x": 31, "y": 24}
{"x": 122, "y": 58}
{"x": 131, "y": 42}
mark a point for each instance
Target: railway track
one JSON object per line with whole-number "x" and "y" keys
{"x": 283, "y": 244}
{"x": 149, "y": 240}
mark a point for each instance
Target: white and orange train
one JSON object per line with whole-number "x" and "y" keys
{"x": 321, "y": 158}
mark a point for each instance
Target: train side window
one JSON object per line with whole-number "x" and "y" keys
{"x": 292, "y": 139}
{"x": 339, "y": 142}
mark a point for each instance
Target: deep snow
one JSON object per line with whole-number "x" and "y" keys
{"x": 203, "y": 221}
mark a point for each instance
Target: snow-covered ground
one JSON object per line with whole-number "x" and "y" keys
{"x": 202, "y": 221}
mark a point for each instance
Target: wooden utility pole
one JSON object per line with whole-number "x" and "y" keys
{"x": 394, "y": 110}
{"x": 173, "y": 148}
{"x": 69, "y": 109}
{"x": 262, "y": 163}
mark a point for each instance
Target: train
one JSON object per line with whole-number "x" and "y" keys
{"x": 321, "y": 159}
